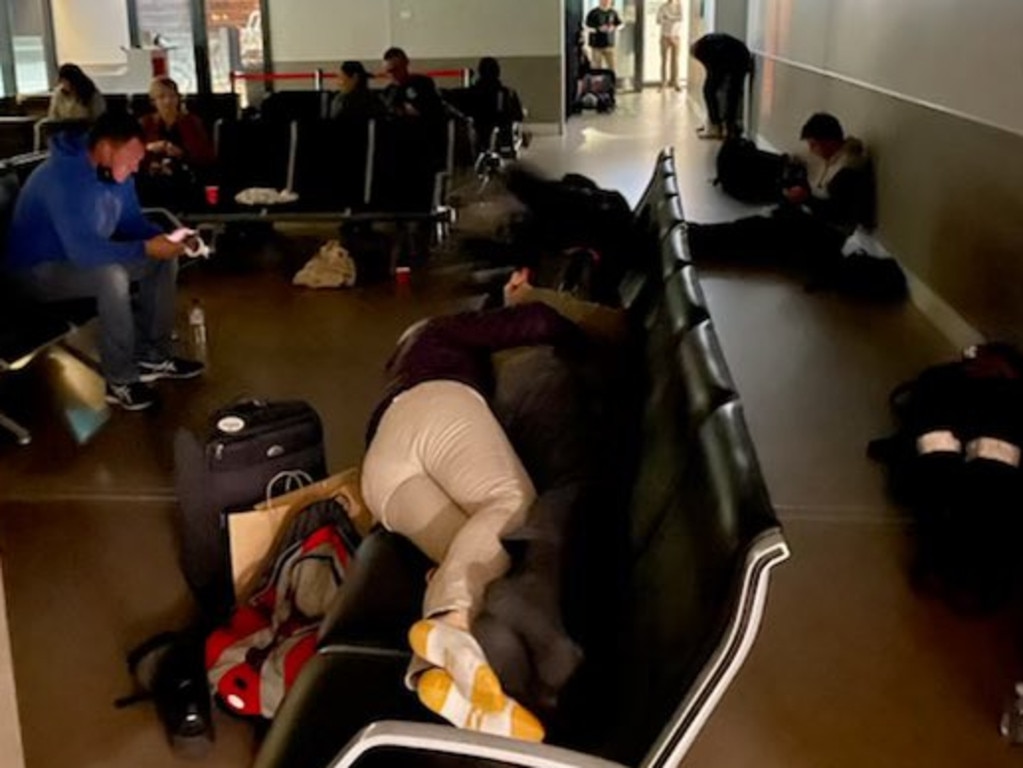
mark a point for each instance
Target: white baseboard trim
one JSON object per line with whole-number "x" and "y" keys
{"x": 942, "y": 315}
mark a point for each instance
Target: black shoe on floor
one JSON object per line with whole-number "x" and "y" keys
{"x": 132, "y": 397}
{"x": 171, "y": 368}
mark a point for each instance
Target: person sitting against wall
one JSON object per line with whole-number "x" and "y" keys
{"x": 407, "y": 94}
{"x": 179, "y": 152}
{"x": 76, "y": 97}
{"x": 728, "y": 62}
{"x": 354, "y": 99}
{"x": 819, "y": 211}
{"x": 78, "y": 232}
{"x": 440, "y": 470}
{"x": 492, "y": 106}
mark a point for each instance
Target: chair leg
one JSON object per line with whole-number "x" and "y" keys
{"x": 23, "y": 436}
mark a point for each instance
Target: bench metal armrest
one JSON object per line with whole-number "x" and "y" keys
{"x": 452, "y": 741}
{"x": 164, "y": 213}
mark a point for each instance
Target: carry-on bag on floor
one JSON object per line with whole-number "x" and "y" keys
{"x": 250, "y": 447}
{"x": 596, "y": 90}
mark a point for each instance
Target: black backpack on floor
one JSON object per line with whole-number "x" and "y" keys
{"x": 955, "y": 463}
{"x": 749, "y": 174}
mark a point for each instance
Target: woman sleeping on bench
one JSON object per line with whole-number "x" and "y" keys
{"x": 441, "y": 471}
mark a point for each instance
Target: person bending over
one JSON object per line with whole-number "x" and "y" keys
{"x": 178, "y": 149}
{"x": 78, "y": 232}
{"x": 817, "y": 215}
{"x": 440, "y": 470}
{"x": 727, "y": 61}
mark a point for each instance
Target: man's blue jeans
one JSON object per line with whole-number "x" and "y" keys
{"x": 133, "y": 326}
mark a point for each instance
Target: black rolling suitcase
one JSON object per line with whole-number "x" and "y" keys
{"x": 248, "y": 446}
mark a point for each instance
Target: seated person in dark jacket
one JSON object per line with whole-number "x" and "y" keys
{"x": 178, "y": 149}
{"x": 407, "y": 94}
{"x": 354, "y": 99}
{"x": 440, "y": 470}
{"x": 817, "y": 215}
{"x": 492, "y": 105}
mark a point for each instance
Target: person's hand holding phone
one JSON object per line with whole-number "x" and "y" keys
{"x": 163, "y": 248}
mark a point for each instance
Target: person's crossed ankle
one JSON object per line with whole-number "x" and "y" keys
{"x": 463, "y": 688}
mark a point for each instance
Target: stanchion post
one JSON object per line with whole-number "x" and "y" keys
{"x": 318, "y": 79}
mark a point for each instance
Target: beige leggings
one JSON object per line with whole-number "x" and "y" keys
{"x": 441, "y": 472}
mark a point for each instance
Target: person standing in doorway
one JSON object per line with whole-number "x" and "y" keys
{"x": 727, "y": 61}
{"x": 669, "y": 18}
{"x": 603, "y": 22}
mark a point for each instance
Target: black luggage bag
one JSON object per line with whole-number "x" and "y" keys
{"x": 248, "y": 446}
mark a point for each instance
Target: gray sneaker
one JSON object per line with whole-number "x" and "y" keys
{"x": 132, "y": 397}
{"x": 171, "y": 368}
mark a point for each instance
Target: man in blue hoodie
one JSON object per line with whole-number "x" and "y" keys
{"x": 78, "y": 232}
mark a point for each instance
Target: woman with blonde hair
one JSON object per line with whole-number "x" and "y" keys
{"x": 178, "y": 148}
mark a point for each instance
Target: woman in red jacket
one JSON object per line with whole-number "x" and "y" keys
{"x": 179, "y": 151}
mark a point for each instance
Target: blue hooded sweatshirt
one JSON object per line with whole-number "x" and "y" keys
{"x": 65, "y": 212}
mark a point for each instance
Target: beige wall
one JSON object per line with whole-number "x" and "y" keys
{"x": 950, "y": 190}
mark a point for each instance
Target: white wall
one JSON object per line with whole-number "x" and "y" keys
{"x": 90, "y": 31}
{"x": 964, "y": 56}
{"x": 317, "y": 30}
{"x": 437, "y": 29}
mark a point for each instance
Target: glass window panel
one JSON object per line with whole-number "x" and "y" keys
{"x": 28, "y": 34}
{"x": 236, "y": 39}
{"x": 169, "y": 23}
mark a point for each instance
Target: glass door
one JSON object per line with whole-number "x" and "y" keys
{"x": 236, "y": 40}
{"x": 652, "y": 51}
{"x": 29, "y": 38}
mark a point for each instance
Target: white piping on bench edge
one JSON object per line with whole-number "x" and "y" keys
{"x": 447, "y": 740}
{"x": 678, "y": 736}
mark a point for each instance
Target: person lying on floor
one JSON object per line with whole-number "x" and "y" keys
{"x": 815, "y": 218}
{"x": 440, "y": 470}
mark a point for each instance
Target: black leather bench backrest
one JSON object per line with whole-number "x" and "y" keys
{"x": 685, "y": 580}
{"x": 253, "y": 153}
{"x": 17, "y": 135}
{"x": 285, "y": 106}
{"x": 9, "y": 188}
{"x": 331, "y": 163}
{"x": 211, "y": 107}
{"x": 408, "y": 155}
{"x": 674, "y": 251}
{"x": 706, "y": 380}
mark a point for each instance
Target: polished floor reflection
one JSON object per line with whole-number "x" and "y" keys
{"x": 851, "y": 668}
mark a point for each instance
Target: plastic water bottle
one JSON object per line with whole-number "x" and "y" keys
{"x": 197, "y": 326}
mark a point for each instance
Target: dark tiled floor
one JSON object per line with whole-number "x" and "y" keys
{"x": 851, "y": 668}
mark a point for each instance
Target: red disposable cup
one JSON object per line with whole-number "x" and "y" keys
{"x": 403, "y": 275}
{"x": 212, "y": 194}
